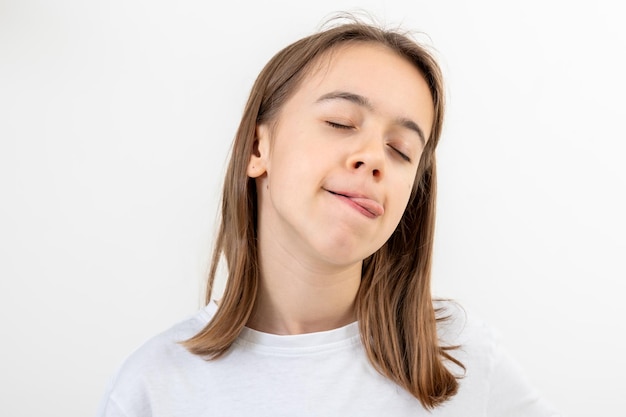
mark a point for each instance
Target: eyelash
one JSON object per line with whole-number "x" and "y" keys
{"x": 402, "y": 155}
{"x": 338, "y": 125}
{"x": 346, "y": 127}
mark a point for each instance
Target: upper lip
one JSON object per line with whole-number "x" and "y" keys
{"x": 365, "y": 200}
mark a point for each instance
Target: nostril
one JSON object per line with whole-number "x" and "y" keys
{"x": 375, "y": 172}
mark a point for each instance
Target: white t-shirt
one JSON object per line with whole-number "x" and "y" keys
{"x": 316, "y": 374}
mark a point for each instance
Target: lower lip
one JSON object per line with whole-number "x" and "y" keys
{"x": 355, "y": 206}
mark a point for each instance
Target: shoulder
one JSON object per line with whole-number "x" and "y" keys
{"x": 166, "y": 346}
{"x": 470, "y": 341}
{"x": 458, "y": 327}
{"x": 489, "y": 373}
{"x": 160, "y": 358}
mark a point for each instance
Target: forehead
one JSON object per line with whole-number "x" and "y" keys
{"x": 350, "y": 55}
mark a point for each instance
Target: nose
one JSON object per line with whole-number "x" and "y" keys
{"x": 369, "y": 158}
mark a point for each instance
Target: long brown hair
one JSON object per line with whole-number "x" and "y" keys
{"x": 394, "y": 306}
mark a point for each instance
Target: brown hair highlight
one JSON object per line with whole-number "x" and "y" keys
{"x": 394, "y": 306}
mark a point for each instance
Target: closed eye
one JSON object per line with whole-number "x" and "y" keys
{"x": 337, "y": 125}
{"x": 401, "y": 154}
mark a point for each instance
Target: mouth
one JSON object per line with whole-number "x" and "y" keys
{"x": 364, "y": 205}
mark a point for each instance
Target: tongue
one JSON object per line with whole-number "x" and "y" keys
{"x": 369, "y": 205}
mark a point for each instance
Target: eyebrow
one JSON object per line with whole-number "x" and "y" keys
{"x": 364, "y": 102}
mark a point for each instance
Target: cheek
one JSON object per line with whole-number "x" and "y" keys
{"x": 288, "y": 175}
{"x": 405, "y": 187}
{"x": 402, "y": 197}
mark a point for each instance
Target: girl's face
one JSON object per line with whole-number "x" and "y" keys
{"x": 336, "y": 171}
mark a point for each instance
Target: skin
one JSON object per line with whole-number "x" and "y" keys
{"x": 334, "y": 175}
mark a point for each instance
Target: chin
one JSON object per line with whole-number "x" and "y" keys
{"x": 344, "y": 247}
{"x": 345, "y": 255}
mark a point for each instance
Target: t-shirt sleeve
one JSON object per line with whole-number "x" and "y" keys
{"x": 492, "y": 380}
{"x": 510, "y": 392}
{"x": 109, "y": 408}
{"x": 124, "y": 396}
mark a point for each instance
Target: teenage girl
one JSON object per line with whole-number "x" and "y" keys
{"x": 327, "y": 226}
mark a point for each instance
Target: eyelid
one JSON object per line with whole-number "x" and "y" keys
{"x": 348, "y": 126}
{"x": 401, "y": 154}
{"x": 337, "y": 125}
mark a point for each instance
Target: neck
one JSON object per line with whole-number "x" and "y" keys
{"x": 295, "y": 297}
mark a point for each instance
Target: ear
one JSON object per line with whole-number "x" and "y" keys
{"x": 258, "y": 163}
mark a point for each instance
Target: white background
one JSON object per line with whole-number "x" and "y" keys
{"x": 115, "y": 123}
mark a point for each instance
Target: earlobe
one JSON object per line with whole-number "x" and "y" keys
{"x": 257, "y": 165}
